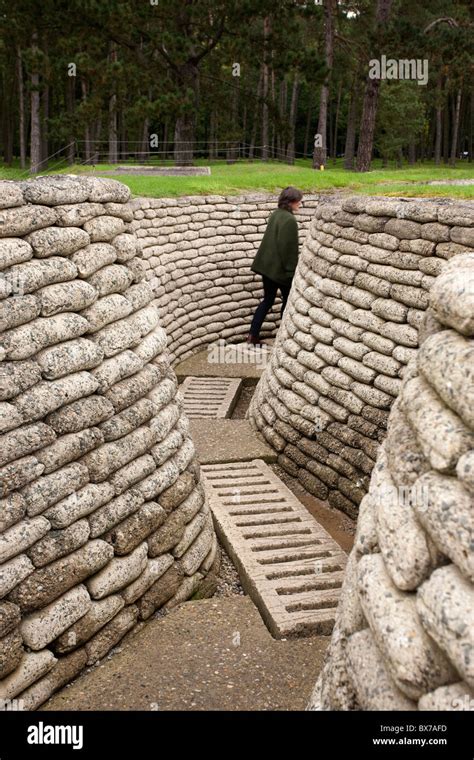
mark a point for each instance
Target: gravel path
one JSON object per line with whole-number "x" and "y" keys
{"x": 229, "y": 581}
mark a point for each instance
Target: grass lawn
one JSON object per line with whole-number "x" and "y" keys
{"x": 257, "y": 176}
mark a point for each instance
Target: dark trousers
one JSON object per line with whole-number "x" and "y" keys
{"x": 270, "y": 288}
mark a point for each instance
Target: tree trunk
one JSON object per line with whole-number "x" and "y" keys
{"x": 35, "y": 133}
{"x": 367, "y": 125}
{"x": 96, "y": 141}
{"x": 212, "y": 136}
{"x": 7, "y": 121}
{"x": 87, "y": 134}
{"x": 330, "y": 120}
{"x": 439, "y": 132}
{"x": 265, "y": 132}
{"x": 70, "y": 94}
{"x": 320, "y": 151}
{"x": 145, "y": 140}
{"x": 412, "y": 152}
{"x": 165, "y": 140}
{"x": 336, "y": 122}
{"x": 454, "y": 141}
{"x": 235, "y": 121}
{"x": 306, "y": 132}
{"x": 369, "y": 109}
{"x": 471, "y": 126}
{"x": 253, "y": 137}
{"x": 113, "y": 155}
{"x": 282, "y": 108}
{"x": 184, "y": 140}
{"x": 112, "y": 131}
{"x": 423, "y": 148}
{"x": 45, "y": 107}
{"x": 446, "y": 128}
{"x": 439, "y": 121}
{"x": 185, "y": 127}
{"x": 232, "y": 145}
{"x": 123, "y": 140}
{"x": 349, "y": 150}
{"x": 290, "y": 153}
{"x": 272, "y": 89}
{"x": 44, "y": 135}
{"x": 21, "y": 107}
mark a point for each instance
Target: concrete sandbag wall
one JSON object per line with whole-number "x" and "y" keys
{"x": 404, "y": 633}
{"x": 103, "y": 518}
{"x": 197, "y": 253}
{"x": 350, "y": 329}
{"x": 376, "y": 279}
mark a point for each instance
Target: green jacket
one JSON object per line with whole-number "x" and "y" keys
{"x": 277, "y": 255}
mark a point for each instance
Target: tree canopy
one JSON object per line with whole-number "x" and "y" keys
{"x": 112, "y": 80}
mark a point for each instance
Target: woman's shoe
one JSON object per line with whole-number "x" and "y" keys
{"x": 254, "y": 341}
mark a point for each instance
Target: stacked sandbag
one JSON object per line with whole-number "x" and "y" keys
{"x": 404, "y": 632}
{"x": 103, "y": 518}
{"x": 197, "y": 253}
{"x": 350, "y": 329}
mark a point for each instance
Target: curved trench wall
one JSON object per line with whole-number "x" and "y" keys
{"x": 197, "y": 253}
{"x": 404, "y": 632}
{"x": 350, "y": 328}
{"x": 345, "y": 354}
{"x": 102, "y": 515}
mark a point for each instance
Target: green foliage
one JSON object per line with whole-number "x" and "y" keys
{"x": 401, "y": 117}
{"x": 157, "y": 63}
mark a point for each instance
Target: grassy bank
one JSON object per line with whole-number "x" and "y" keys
{"x": 271, "y": 177}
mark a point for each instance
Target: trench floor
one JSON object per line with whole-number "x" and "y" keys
{"x": 211, "y": 654}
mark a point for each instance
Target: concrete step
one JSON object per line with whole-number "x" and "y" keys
{"x": 271, "y": 538}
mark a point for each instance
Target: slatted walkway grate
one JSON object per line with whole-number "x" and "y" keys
{"x": 288, "y": 564}
{"x": 211, "y": 397}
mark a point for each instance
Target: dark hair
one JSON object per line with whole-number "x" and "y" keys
{"x": 287, "y": 196}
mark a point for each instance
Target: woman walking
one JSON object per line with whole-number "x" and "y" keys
{"x": 276, "y": 258}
